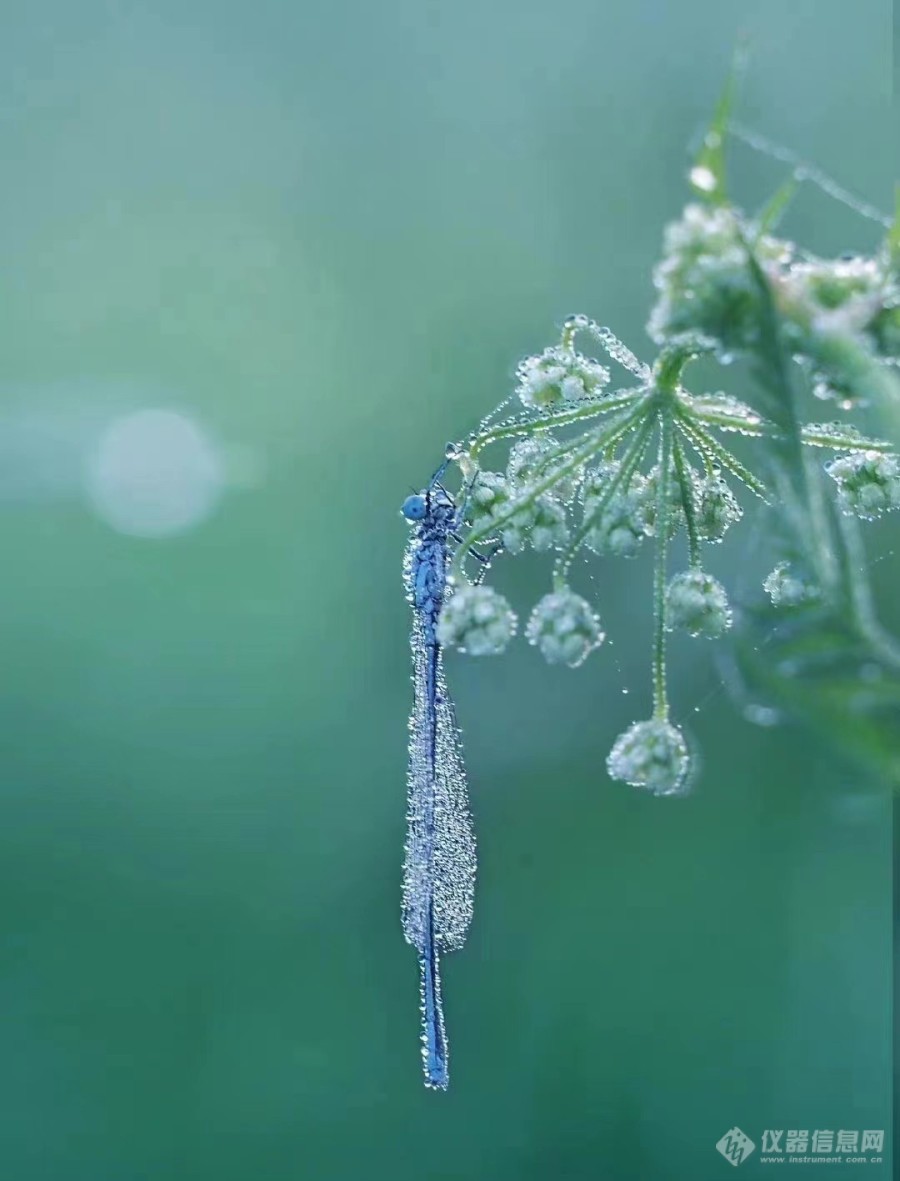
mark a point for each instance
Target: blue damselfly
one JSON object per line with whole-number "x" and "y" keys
{"x": 439, "y": 868}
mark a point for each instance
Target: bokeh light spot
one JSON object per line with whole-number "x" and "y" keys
{"x": 154, "y": 473}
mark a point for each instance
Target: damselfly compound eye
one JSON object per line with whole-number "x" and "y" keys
{"x": 414, "y": 507}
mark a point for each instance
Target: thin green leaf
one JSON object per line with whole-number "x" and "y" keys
{"x": 707, "y": 176}
{"x": 773, "y": 211}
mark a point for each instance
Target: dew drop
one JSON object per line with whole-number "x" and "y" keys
{"x": 703, "y": 178}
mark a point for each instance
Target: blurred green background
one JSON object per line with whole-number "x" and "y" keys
{"x": 259, "y": 262}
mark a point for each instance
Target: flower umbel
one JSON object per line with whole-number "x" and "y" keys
{"x": 559, "y": 374}
{"x": 787, "y": 589}
{"x": 565, "y": 628}
{"x": 652, "y": 755}
{"x": 697, "y": 603}
{"x": 868, "y": 483}
{"x": 600, "y": 471}
{"x": 477, "y": 620}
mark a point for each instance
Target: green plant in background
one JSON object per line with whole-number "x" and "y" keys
{"x": 589, "y": 467}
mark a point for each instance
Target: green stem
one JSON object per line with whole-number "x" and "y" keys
{"x": 837, "y": 442}
{"x": 796, "y": 485}
{"x": 533, "y": 426}
{"x": 702, "y": 441}
{"x": 687, "y": 501}
{"x": 862, "y": 603}
{"x": 660, "y": 700}
{"x": 725, "y": 423}
{"x": 614, "y": 433}
{"x": 630, "y": 461}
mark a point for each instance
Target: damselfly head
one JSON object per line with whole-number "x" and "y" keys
{"x": 414, "y": 507}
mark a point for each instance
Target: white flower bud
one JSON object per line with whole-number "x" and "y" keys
{"x": 833, "y": 295}
{"x": 653, "y": 755}
{"x": 868, "y": 483}
{"x": 565, "y": 628}
{"x": 491, "y": 497}
{"x": 477, "y": 620}
{"x": 623, "y": 524}
{"x": 522, "y": 467}
{"x": 715, "y": 508}
{"x": 549, "y": 529}
{"x": 697, "y": 603}
{"x": 559, "y": 375}
{"x": 787, "y": 590}
{"x": 705, "y": 281}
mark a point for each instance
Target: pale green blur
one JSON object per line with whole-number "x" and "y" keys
{"x": 325, "y": 234}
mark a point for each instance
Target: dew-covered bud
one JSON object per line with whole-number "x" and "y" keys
{"x": 715, "y": 508}
{"x": 653, "y": 755}
{"x": 697, "y": 603}
{"x": 491, "y": 497}
{"x": 623, "y": 524}
{"x": 549, "y": 529}
{"x": 565, "y": 628}
{"x": 786, "y": 589}
{"x": 868, "y": 483}
{"x": 489, "y": 493}
{"x": 558, "y": 375}
{"x": 525, "y": 465}
{"x": 477, "y": 620}
{"x": 705, "y": 282}
{"x": 839, "y": 295}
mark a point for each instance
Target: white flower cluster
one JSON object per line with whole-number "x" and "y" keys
{"x": 622, "y": 524}
{"x": 491, "y": 497}
{"x": 550, "y": 529}
{"x": 630, "y": 512}
{"x": 839, "y": 296}
{"x": 868, "y": 483}
{"x": 705, "y": 284}
{"x": 565, "y": 628}
{"x": 559, "y": 375}
{"x": 716, "y": 285}
{"x": 786, "y": 589}
{"x": 529, "y": 457}
{"x": 715, "y": 508}
{"x": 477, "y": 620}
{"x": 696, "y": 603}
{"x": 652, "y": 755}
{"x": 540, "y": 521}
